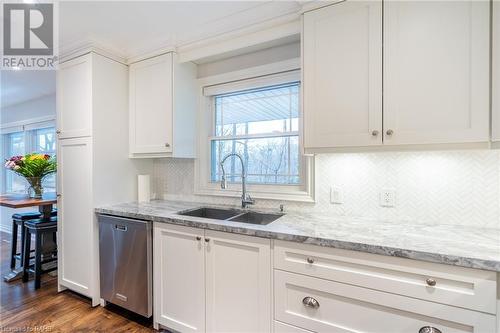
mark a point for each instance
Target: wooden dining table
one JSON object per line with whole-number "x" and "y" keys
{"x": 45, "y": 206}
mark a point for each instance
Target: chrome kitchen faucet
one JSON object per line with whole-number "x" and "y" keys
{"x": 245, "y": 197}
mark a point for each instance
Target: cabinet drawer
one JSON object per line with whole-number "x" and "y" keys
{"x": 338, "y": 307}
{"x": 280, "y": 327}
{"x": 457, "y": 286}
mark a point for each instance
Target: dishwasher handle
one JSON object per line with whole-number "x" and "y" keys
{"x": 121, "y": 227}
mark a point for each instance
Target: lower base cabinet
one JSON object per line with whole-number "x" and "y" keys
{"x": 208, "y": 281}
{"x": 326, "y": 306}
{"x": 211, "y": 281}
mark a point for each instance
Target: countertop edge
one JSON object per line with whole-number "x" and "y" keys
{"x": 453, "y": 260}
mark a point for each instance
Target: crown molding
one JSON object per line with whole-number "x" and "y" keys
{"x": 84, "y": 47}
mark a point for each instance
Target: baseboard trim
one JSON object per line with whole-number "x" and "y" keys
{"x": 4, "y": 228}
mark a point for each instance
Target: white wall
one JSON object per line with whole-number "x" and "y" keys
{"x": 41, "y": 107}
{"x": 253, "y": 59}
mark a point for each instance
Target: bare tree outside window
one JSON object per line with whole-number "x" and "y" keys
{"x": 262, "y": 126}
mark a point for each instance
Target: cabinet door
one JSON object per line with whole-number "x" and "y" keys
{"x": 342, "y": 68}
{"x": 496, "y": 71}
{"x": 151, "y": 105}
{"x": 436, "y": 72}
{"x": 74, "y": 97}
{"x": 179, "y": 278}
{"x": 76, "y": 225}
{"x": 238, "y": 283}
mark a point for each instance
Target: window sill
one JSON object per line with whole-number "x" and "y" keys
{"x": 234, "y": 191}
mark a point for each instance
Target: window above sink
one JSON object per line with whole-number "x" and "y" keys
{"x": 258, "y": 118}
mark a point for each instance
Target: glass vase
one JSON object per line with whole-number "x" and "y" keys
{"x": 35, "y": 189}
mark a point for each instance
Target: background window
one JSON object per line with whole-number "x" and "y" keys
{"x": 262, "y": 126}
{"x": 34, "y": 141}
{"x": 15, "y": 146}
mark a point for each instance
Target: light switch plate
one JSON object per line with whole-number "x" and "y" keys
{"x": 336, "y": 195}
{"x": 388, "y": 197}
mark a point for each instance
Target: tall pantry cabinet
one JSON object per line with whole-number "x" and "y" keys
{"x": 93, "y": 164}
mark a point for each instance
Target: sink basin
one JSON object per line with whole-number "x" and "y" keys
{"x": 256, "y": 218}
{"x": 212, "y": 213}
{"x": 234, "y": 215}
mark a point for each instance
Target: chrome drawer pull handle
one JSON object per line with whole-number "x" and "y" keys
{"x": 430, "y": 282}
{"x": 310, "y": 302}
{"x": 198, "y": 238}
{"x": 428, "y": 329}
{"x": 310, "y": 260}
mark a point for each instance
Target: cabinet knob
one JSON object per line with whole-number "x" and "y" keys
{"x": 310, "y": 302}
{"x": 389, "y": 132}
{"x": 429, "y": 329}
{"x": 207, "y": 240}
{"x": 430, "y": 282}
{"x": 58, "y": 132}
{"x": 167, "y": 145}
{"x": 310, "y": 260}
{"x": 374, "y": 133}
{"x": 58, "y": 195}
{"x": 198, "y": 238}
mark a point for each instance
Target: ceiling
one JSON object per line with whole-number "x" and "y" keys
{"x": 22, "y": 86}
{"x": 131, "y": 28}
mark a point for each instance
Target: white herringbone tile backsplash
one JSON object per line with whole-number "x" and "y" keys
{"x": 452, "y": 187}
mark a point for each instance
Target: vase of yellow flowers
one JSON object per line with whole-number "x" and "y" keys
{"x": 34, "y": 168}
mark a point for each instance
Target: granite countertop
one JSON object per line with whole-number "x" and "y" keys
{"x": 465, "y": 246}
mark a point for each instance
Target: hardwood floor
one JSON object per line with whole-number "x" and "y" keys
{"x": 24, "y": 309}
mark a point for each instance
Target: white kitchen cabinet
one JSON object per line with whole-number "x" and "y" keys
{"x": 436, "y": 72}
{"x": 163, "y": 101}
{"x": 435, "y": 77}
{"x": 93, "y": 162}
{"x": 179, "y": 278}
{"x": 342, "y": 70}
{"x": 496, "y": 72}
{"x": 77, "y": 225}
{"x": 211, "y": 281}
{"x": 238, "y": 283}
{"x": 74, "y": 98}
{"x": 326, "y": 306}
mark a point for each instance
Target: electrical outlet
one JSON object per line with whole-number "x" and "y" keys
{"x": 388, "y": 197}
{"x": 336, "y": 195}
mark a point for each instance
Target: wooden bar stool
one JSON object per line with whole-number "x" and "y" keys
{"x": 45, "y": 232}
{"x": 18, "y": 220}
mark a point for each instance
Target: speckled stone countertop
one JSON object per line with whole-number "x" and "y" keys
{"x": 445, "y": 244}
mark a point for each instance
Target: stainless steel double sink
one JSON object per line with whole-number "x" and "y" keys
{"x": 234, "y": 215}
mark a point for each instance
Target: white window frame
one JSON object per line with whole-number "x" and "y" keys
{"x": 273, "y": 74}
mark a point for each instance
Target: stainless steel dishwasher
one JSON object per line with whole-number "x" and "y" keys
{"x": 125, "y": 260}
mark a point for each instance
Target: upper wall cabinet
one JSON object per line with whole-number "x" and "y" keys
{"x": 436, "y": 72}
{"x": 342, "y": 63}
{"x": 496, "y": 71}
{"x": 74, "y": 98}
{"x": 162, "y": 107}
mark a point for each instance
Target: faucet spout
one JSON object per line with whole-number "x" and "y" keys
{"x": 245, "y": 197}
